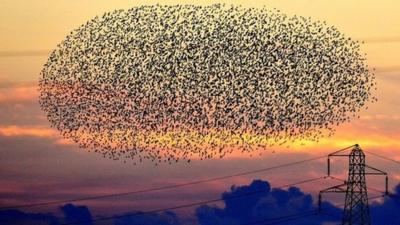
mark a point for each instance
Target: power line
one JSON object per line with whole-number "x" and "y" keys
{"x": 382, "y": 157}
{"x": 163, "y": 187}
{"x": 288, "y": 218}
{"x": 283, "y": 219}
{"x": 178, "y": 185}
{"x": 344, "y": 181}
{"x": 190, "y": 204}
{"x": 291, "y": 217}
{"x": 388, "y": 194}
{"x": 339, "y": 205}
{"x": 308, "y": 213}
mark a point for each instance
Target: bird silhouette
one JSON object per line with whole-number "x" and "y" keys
{"x": 175, "y": 83}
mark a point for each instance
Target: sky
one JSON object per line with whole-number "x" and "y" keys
{"x": 37, "y": 164}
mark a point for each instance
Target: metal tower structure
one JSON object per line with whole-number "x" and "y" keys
{"x": 356, "y": 209}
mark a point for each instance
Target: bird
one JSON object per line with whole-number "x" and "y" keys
{"x": 168, "y": 84}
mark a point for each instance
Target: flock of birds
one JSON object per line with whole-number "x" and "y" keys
{"x": 170, "y": 83}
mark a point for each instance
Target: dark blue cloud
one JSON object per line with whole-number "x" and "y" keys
{"x": 83, "y": 216}
{"x": 387, "y": 212}
{"x": 16, "y": 217}
{"x": 74, "y": 213}
{"x": 261, "y": 203}
{"x": 167, "y": 218}
{"x": 71, "y": 213}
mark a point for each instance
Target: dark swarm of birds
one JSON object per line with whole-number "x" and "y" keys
{"x": 182, "y": 82}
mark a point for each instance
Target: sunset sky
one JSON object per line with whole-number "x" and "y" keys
{"x": 37, "y": 164}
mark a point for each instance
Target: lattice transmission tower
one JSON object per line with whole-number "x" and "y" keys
{"x": 356, "y": 209}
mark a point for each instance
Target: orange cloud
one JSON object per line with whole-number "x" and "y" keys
{"x": 360, "y": 131}
{"x": 380, "y": 117}
{"x": 10, "y": 131}
{"x": 63, "y": 141}
{"x": 24, "y": 93}
{"x": 350, "y": 134}
{"x": 344, "y": 137}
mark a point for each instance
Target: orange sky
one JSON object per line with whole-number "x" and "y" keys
{"x": 40, "y": 25}
{"x": 31, "y": 151}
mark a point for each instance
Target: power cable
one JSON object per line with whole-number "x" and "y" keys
{"x": 382, "y": 157}
{"x": 277, "y": 220}
{"x": 162, "y": 187}
{"x": 189, "y": 204}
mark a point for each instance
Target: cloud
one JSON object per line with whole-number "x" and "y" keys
{"x": 262, "y": 206}
{"x": 15, "y": 217}
{"x": 27, "y": 131}
{"x": 76, "y": 214}
{"x": 83, "y": 216}
{"x": 166, "y": 218}
{"x": 265, "y": 205}
{"x": 275, "y": 203}
{"x": 387, "y": 212}
{"x": 18, "y": 93}
{"x": 6, "y": 83}
{"x": 381, "y": 117}
{"x": 71, "y": 213}
{"x": 22, "y": 116}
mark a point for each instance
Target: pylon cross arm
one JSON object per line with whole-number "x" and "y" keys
{"x": 335, "y": 189}
{"x": 377, "y": 171}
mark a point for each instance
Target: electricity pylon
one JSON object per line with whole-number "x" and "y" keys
{"x": 356, "y": 209}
